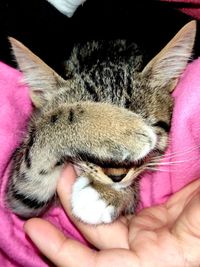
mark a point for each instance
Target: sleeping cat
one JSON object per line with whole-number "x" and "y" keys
{"x": 110, "y": 117}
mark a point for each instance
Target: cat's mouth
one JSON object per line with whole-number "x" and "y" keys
{"x": 123, "y": 176}
{"x": 120, "y": 174}
{"x": 111, "y": 173}
{"x": 116, "y": 175}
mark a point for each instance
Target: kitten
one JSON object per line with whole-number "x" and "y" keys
{"x": 110, "y": 118}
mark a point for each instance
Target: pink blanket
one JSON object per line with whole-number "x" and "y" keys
{"x": 189, "y": 7}
{"x": 183, "y": 153}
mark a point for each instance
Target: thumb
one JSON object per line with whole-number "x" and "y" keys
{"x": 100, "y": 236}
{"x": 187, "y": 230}
{"x": 64, "y": 187}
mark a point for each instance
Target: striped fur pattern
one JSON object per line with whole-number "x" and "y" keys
{"x": 109, "y": 117}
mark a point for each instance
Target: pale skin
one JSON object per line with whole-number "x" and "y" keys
{"x": 166, "y": 235}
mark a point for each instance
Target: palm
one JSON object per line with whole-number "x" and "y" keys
{"x": 151, "y": 239}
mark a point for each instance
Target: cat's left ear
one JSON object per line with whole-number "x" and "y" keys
{"x": 42, "y": 80}
{"x": 167, "y": 66}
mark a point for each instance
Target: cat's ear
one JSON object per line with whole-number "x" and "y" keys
{"x": 42, "y": 80}
{"x": 167, "y": 66}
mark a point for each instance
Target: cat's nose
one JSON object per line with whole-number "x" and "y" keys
{"x": 116, "y": 178}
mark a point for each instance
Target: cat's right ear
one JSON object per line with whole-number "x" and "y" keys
{"x": 42, "y": 80}
{"x": 167, "y": 66}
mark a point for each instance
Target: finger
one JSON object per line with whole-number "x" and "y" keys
{"x": 178, "y": 201}
{"x": 57, "y": 248}
{"x": 101, "y": 236}
{"x": 187, "y": 231}
{"x": 64, "y": 252}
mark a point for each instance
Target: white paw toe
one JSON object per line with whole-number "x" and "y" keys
{"x": 87, "y": 204}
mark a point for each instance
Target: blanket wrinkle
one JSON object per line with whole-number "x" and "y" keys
{"x": 179, "y": 166}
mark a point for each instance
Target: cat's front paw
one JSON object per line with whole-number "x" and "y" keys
{"x": 87, "y": 204}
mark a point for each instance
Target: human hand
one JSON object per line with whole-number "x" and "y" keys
{"x": 166, "y": 235}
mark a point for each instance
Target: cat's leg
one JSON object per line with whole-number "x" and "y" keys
{"x": 93, "y": 132}
{"x": 30, "y": 196}
{"x": 33, "y": 178}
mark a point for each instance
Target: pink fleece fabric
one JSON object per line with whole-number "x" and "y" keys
{"x": 190, "y": 7}
{"x": 184, "y": 149}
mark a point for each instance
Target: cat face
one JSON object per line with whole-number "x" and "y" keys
{"x": 110, "y": 120}
{"x": 115, "y": 139}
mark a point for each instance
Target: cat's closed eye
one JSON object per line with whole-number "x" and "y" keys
{"x": 163, "y": 125}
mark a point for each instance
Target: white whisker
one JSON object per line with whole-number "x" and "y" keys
{"x": 157, "y": 169}
{"x": 170, "y": 163}
{"x": 174, "y": 154}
